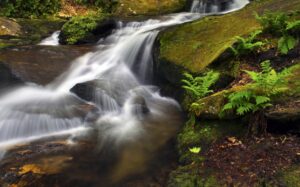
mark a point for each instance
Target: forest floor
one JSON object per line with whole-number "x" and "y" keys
{"x": 248, "y": 161}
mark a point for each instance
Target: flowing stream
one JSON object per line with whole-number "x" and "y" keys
{"x": 123, "y": 107}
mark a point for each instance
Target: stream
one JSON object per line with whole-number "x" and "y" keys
{"x": 124, "y": 113}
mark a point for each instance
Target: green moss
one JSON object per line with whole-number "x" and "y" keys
{"x": 202, "y": 134}
{"x": 4, "y": 45}
{"x": 195, "y": 45}
{"x": 128, "y": 8}
{"x": 80, "y": 28}
{"x": 290, "y": 177}
{"x": 191, "y": 176}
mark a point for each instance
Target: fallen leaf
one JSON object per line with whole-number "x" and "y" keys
{"x": 30, "y": 168}
{"x": 231, "y": 139}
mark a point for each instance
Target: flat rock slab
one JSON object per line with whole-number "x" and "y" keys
{"x": 41, "y": 64}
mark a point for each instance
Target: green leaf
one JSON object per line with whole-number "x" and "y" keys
{"x": 228, "y": 106}
{"x": 262, "y": 99}
{"x": 286, "y": 43}
{"x": 195, "y": 150}
{"x": 295, "y": 25}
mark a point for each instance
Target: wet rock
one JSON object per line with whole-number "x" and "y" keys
{"x": 40, "y": 64}
{"x": 85, "y": 90}
{"x": 140, "y": 105}
{"x": 7, "y": 77}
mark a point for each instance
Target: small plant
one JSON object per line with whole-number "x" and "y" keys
{"x": 195, "y": 150}
{"x": 273, "y": 23}
{"x": 268, "y": 82}
{"x": 278, "y": 24}
{"x": 246, "y": 101}
{"x": 199, "y": 87}
{"x": 247, "y": 45}
{"x": 287, "y": 43}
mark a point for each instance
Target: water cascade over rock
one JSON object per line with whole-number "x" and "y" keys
{"x": 123, "y": 108}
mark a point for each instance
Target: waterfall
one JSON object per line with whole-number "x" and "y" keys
{"x": 217, "y": 6}
{"x": 123, "y": 103}
{"x": 51, "y": 40}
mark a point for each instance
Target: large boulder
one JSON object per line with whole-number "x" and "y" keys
{"x": 193, "y": 46}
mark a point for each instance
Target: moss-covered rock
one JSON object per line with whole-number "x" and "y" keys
{"x": 85, "y": 29}
{"x": 193, "y": 46}
{"x": 202, "y": 134}
{"x": 285, "y": 107}
{"x": 191, "y": 176}
{"x": 290, "y": 177}
{"x": 130, "y": 8}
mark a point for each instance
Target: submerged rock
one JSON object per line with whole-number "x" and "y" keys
{"x": 7, "y": 77}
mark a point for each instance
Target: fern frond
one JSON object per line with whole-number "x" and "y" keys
{"x": 292, "y": 26}
{"x": 247, "y": 107}
{"x": 261, "y": 100}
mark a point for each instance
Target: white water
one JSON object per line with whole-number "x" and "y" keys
{"x": 124, "y": 108}
{"x": 217, "y": 6}
{"x": 51, "y": 40}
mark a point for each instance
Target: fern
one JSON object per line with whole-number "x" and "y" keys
{"x": 268, "y": 80}
{"x": 278, "y": 25}
{"x": 274, "y": 23}
{"x": 265, "y": 84}
{"x": 247, "y": 45}
{"x": 199, "y": 87}
{"x": 245, "y": 102}
{"x": 287, "y": 43}
{"x": 293, "y": 26}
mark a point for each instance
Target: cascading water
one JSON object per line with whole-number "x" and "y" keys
{"x": 124, "y": 109}
{"x": 217, "y": 6}
{"x": 51, "y": 40}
